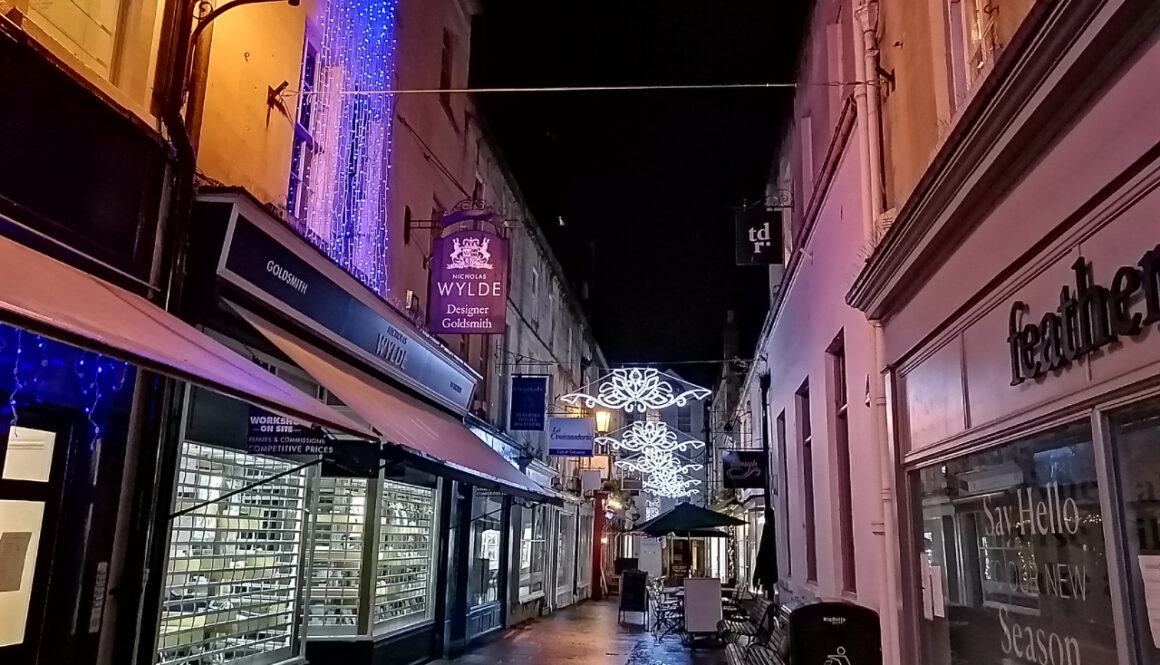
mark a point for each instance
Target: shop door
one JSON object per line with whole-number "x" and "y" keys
{"x": 42, "y": 536}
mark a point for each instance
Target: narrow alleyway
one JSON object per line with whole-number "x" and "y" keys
{"x": 587, "y": 634}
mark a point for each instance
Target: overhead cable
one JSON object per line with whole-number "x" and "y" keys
{"x": 581, "y": 88}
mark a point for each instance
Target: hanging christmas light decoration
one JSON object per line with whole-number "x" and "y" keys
{"x": 348, "y": 177}
{"x": 636, "y": 389}
{"x": 655, "y": 446}
{"x": 670, "y": 485}
{"x": 42, "y": 374}
{"x": 642, "y": 436}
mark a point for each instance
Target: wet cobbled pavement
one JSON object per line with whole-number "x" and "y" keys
{"x": 587, "y": 634}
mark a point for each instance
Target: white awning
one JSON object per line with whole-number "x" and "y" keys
{"x": 47, "y": 297}
{"x": 400, "y": 419}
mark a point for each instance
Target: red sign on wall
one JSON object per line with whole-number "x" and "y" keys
{"x": 468, "y": 289}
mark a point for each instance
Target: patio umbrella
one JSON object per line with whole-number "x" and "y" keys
{"x": 699, "y": 533}
{"x": 686, "y": 517}
{"x": 765, "y": 572}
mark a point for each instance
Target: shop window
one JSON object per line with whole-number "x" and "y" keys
{"x": 232, "y": 577}
{"x": 566, "y": 553}
{"x": 806, "y": 445}
{"x": 837, "y": 358}
{"x": 1134, "y": 432}
{"x": 404, "y": 587}
{"x": 486, "y": 531}
{"x": 1013, "y": 565}
{"x": 584, "y": 558}
{"x": 339, "y": 525}
{"x": 532, "y": 552}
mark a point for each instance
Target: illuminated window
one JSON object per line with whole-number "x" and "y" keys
{"x": 971, "y": 28}
{"x": 232, "y": 577}
{"x": 339, "y": 525}
{"x": 404, "y": 584}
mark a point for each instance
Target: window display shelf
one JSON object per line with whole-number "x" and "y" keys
{"x": 231, "y": 581}
{"x": 403, "y": 588}
{"x": 339, "y": 533}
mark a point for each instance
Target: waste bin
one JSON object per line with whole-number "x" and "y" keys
{"x": 834, "y": 634}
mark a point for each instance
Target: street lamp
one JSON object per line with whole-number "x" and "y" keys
{"x": 603, "y": 421}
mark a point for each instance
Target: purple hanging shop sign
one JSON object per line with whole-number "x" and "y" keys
{"x": 469, "y": 281}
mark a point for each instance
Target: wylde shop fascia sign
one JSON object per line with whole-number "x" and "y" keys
{"x": 1088, "y": 318}
{"x": 270, "y": 262}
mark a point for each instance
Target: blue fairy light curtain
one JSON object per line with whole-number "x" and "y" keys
{"x": 37, "y": 370}
{"x": 349, "y": 175}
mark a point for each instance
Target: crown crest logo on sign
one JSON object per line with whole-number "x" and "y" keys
{"x": 470, "y": 254}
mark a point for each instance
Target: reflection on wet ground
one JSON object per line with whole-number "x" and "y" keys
{"x": 587, "y": 634}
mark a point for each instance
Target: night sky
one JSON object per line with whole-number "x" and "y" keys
{"x": 644, "y": 181}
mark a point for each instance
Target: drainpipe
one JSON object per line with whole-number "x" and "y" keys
{"x": 867, "y": 101}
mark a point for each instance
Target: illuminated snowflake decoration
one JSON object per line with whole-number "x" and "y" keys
{"x": 664, "y": 472}
{"x": 643, "y": 436}
{"x": 676, "y": 488}
{"x": 636, "y": 390}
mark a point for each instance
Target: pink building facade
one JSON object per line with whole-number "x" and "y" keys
{"x": 1017, "y": 297}
{"x": 823, "y": 411}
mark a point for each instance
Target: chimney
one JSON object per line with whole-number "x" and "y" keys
{"x": 730, "y": 335}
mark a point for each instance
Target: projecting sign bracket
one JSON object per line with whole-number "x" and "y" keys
{"x": 436, "y": 224}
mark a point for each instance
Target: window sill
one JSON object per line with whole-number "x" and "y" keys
{"x": 531, "y": 596}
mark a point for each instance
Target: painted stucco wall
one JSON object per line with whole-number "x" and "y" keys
{"x": 920, "y": 106}
{"x": 958, "y": 379}
{"x": 243, "y": 141}
{"x": 812, "y": 315}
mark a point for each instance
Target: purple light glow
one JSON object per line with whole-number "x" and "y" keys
{"x": 349, "y": 176}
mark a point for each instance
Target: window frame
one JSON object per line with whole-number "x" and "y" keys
{"x": 447, "y": 74}
{"x": 533, "y": 543}
{"x": 806, "y": 452}
{"x": 781, "y": 488}
{"x": 304, "y": 145}
{"x": 840, "y": 404}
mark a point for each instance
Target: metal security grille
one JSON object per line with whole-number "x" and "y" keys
{"x": 231, "y": 581}
{"x": 403, "y": 590}
{"x": 340, "y": 522}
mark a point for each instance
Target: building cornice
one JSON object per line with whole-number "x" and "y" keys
{"x": 1061, "y": 57}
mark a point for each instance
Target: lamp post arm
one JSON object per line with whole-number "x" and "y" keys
{"x": 203, "y": 21}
